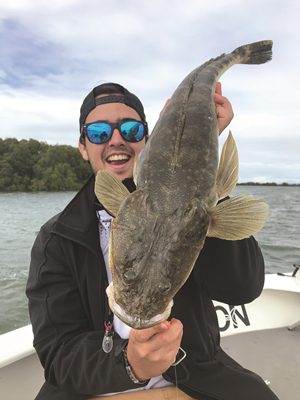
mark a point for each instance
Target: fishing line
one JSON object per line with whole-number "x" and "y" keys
{"x": 174, "y": 365}
{"x": 176, "y": 381}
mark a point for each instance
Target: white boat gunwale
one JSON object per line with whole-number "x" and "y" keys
{"x": 17, "y": 344}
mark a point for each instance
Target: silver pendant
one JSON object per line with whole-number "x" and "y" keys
{"x": 107, "y": 342}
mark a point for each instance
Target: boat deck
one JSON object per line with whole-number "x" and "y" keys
{"x": 22, "y": 379}
{"x": 274, "y": 354}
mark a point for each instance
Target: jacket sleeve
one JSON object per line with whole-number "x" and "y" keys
{"x": 66, "y": 340}
{"x": 232, "y": 271}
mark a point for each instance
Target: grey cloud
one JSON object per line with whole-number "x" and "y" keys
{"x": 278, "y": 173}
{"x": 63, "y": 51}
{"x": 25, "y": 55}
{"x": 269, "y": 159}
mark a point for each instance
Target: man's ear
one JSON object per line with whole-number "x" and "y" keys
{"x": 83, "y": 151}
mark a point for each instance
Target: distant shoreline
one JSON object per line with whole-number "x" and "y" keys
{"x": 267, "y": 184}
{"x": 272, "y": 184}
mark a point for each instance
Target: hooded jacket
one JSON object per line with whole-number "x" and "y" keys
{"x": 68, "y": 307}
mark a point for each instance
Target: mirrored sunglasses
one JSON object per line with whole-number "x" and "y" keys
{"x": 99, "y": 132}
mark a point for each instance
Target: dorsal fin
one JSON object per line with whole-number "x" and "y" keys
{"x": 228, "y": 170}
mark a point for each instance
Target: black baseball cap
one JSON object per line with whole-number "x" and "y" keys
{"x": 115, "y": 94}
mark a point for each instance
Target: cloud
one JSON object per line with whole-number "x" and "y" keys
{"x": 53, "y": 53}
{"x": 25, "y": 56}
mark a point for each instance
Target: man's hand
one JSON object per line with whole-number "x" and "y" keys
{"x": 152, "y": 351}
{"x": 223, "y": 108}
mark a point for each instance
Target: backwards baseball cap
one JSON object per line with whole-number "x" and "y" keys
{"x": 115, "y": 94}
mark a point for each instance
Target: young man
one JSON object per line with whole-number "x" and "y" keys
{"x": 69, "y": 274}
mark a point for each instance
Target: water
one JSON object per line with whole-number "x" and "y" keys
{"x": 280, "y": 237}
{"x": 22, "y": 215}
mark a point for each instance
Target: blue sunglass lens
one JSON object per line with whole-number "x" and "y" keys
{"x": 132, "y": 131}
{"x": 99, "y": 132}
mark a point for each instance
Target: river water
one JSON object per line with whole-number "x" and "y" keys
{"x": 22, "y": 215}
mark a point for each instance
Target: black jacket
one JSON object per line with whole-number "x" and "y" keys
{"x": 68, "y": 306}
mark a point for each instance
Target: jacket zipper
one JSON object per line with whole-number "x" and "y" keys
{"x": 107, "y": 342}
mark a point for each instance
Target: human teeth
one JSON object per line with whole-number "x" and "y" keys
{"x": 118, "y": 157}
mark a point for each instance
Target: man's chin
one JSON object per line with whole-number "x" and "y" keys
{"x": 120, "y": 172}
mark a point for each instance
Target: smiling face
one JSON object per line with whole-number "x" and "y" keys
{"x": 117, "y": 155}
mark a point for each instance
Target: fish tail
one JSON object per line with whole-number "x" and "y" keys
{"x": 254, "y": 53}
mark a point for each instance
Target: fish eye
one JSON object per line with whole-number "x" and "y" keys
{"x": 130, "y": 275}
{"x": 164, "y": 287}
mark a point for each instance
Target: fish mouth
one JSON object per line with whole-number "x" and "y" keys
{"x": 135, "y": 322}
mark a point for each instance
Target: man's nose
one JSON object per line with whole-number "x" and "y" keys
{"x": 116, "y": 138}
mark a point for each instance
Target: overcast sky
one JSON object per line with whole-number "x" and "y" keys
{"x": 52, "y": 53}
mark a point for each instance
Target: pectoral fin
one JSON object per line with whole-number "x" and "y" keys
{"x": 135, "y": 173}
{"x": 110, "y": 192}
{"x": 228, "y": 168}
{"x": 237, "y": 218}
{"x": 137, "y": 166}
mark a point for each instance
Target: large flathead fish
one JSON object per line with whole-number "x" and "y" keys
{"x": 159, "y": 230}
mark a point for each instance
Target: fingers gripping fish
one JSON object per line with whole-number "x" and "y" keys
{"x": 159, "y": 230}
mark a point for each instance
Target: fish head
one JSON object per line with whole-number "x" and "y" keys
{"x": 151, "y": 257}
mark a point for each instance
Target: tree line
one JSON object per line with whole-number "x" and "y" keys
{"x": 30, "y": 165}
{"x": 268, "y": 184}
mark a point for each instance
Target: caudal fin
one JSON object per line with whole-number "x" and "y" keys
{"x": 255, "y": 53}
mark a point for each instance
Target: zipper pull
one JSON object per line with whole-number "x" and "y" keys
{"x": 107, "y": 342}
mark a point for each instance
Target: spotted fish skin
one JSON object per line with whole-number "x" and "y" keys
{"x": 160, "y": 229}
{"x": 184, "y": 141}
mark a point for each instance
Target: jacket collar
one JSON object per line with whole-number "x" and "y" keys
{"x": 78, "y": 221}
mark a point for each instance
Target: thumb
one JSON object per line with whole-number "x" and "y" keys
{"x": 218, "y": 88}
{"x": 143, "y": 335}
{"x": 164, "y": 107}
